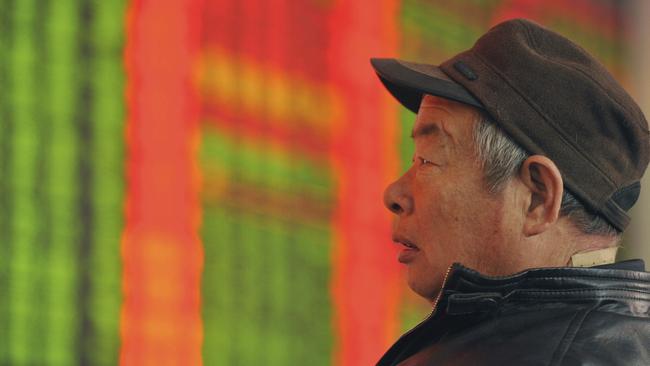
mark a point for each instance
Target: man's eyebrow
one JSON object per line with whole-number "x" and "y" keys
{"x": 425, "y": 130}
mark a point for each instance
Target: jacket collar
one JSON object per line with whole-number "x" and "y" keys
{"x": 468, "y": 291}
{"x": 464, "y": 279}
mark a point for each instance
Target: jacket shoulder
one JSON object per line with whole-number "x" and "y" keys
{"x": 605, "y": 337}
{"x": 566, "y": 335}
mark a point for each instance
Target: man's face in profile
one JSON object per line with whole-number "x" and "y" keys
{"x": 443, "y": 210}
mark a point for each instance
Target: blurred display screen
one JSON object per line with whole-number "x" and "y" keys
{"x": 200, "y": 182}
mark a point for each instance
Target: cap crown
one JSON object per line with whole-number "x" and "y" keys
{"x": 554, "y": 99}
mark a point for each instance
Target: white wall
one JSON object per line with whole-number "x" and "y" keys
{"x": 637, "y": 239}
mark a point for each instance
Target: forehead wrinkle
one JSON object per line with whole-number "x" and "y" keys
{"x": 433, "y": 107}
{"x": 447, "y": 132}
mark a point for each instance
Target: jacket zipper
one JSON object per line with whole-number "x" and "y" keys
{"x": 435, "y": 304}
{"x": 444, "y": 282}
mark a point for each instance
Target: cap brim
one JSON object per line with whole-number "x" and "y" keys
{"x": 408, "y": 82}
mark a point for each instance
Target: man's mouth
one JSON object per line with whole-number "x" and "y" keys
{"x": 405, "y": 242}
{"x": 409, "y": 250}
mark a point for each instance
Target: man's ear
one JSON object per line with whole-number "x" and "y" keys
{"x": 544, "y": 184}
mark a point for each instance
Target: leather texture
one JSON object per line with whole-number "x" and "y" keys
{"x": 549, "y": 316}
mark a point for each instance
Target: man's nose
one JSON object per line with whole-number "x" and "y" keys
{"x": 397, "y": 197}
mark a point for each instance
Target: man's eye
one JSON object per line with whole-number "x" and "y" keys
{"x": 423, "y": 161}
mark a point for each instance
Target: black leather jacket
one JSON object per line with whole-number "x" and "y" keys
{"x": 547, "y": 316}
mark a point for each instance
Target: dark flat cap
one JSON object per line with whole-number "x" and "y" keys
{"x": 552, "y": 98}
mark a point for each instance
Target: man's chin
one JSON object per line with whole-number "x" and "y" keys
{"x": 427, "y": 288}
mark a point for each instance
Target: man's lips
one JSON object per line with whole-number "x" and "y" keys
{"x": 409, "y": 250}
{"x": 405, "y": 242}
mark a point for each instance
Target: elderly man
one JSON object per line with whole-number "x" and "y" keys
{"x": 528, "y": 155}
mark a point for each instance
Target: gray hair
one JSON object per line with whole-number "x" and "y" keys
{"x": 501, "y": 158}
